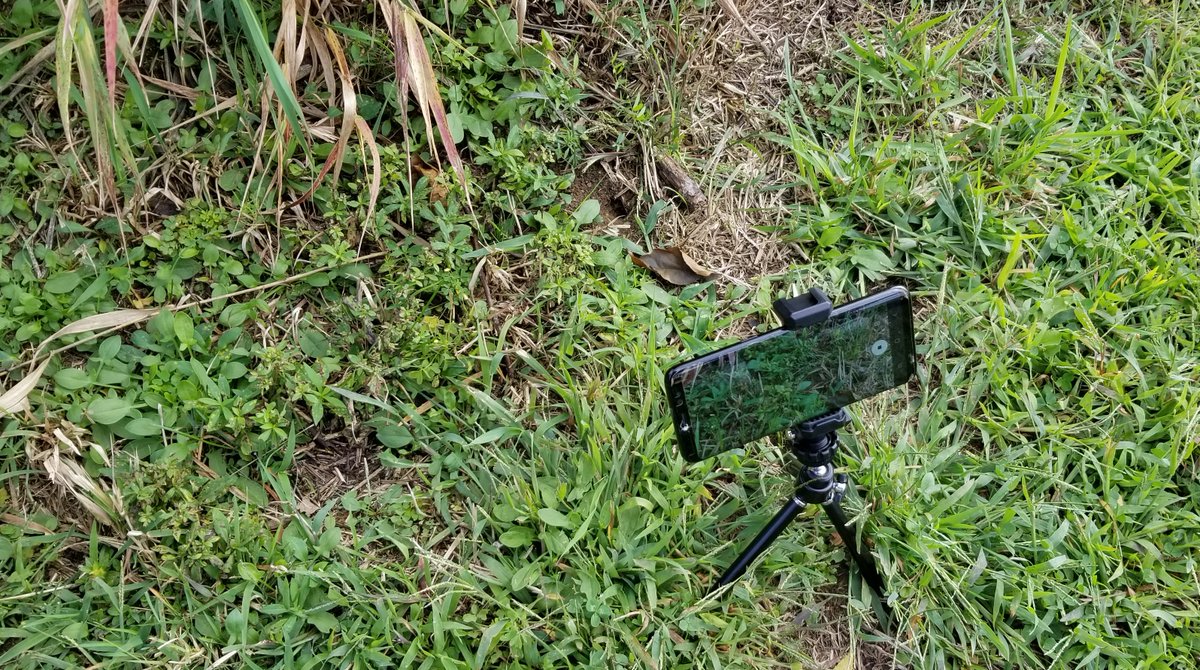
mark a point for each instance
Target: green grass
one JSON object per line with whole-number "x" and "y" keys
{"x": 488, "y": 380}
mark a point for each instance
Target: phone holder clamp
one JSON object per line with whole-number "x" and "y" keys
{"x": 803, "y": 310}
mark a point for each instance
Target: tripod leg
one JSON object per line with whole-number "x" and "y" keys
{"x": 866, "y": 564}
{"x": 761, "y": 541}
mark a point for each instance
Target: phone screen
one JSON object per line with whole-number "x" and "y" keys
{"x": 761, "y": 386}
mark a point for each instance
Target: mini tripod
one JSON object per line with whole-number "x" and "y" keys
{"x": 814, "y": 444}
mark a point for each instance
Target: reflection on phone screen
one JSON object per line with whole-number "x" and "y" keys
{"x": 771, "y": 384}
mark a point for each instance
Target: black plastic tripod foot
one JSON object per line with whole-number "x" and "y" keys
{"x": 864, "y": 561}
{"x": 761, "y": 541}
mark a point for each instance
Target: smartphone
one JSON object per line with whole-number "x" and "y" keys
{"x": 763, "y": 385}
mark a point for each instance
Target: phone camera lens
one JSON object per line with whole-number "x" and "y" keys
{"x": 879, "y": 347}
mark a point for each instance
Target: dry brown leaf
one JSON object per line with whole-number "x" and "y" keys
{"x": 520, "y": 7}
{"x": 321, "y": 56}
{"x": 368, "y": 138}
{"x": 61, "y": 462}
{"x": 327, "y": 47}
{"x": 414, "y": 74}
{"x": 14, "y": 399}
{"x": 438, "y": 191}
{"x": 349, "y": 104}
{"x": 116, "y": 319}
{"x": 673, "y": 265}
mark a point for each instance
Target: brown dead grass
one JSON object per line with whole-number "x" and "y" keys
{"x": 825, "y": 629}
{"x": 334, "y": 463}
{"x": 719, "y": 80}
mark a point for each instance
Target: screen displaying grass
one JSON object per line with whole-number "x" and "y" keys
{"x": 766, "y": 385}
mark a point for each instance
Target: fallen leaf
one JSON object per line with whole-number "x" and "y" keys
{"x": 115, "y": 319}
{"x": 673, "y": 265}
{"x": 438, "y": 191}
{"x": 14, "y": 399}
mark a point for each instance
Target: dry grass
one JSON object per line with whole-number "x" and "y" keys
{"x": 334, "y": 463}
{"x": 718, "y": 79}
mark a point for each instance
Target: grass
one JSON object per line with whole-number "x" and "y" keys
{"x": 380, "y": 415}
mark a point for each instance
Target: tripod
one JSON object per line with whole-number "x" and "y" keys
{"x": 814, "y": 444}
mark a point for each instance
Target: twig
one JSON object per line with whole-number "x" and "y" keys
{"x": 682, "y": 182}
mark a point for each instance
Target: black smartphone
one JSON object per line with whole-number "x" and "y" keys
{"x": 763, "y": 385}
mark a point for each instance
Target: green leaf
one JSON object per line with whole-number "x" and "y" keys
{"x": 587, "y": 212}
{"x": 143, "y": 427}
{"x": 1014, "y": 254}
{"x": 358, "y": 397}
{"x": 393, "y": 436}
{"x": 109, "y": 348}
{"x": 185, "y": 330}
{"x": 76, "y": 631}
{"x": 162, "y": 325}
{"x": 21, "y": 14}
{"x": 657, "y": 294}
{"x": 291, "y": 106}
{"x": 456, "y": 126}
{"x": 351, "y": 503}
{"x": 233, "y": 370}
{"x": 485, "y": 644}
{"x": 496, "y": 435}
{"x": 63, "y": 282}
{"x": 526, "y": 576}
{"x": 517, "y": 537}
{"x": 107, "y": 411}
{"x": 233, "y": 181}
{"x": 313, "y": 343}
{"x": 235, "y": 625}
{"x": 830, "y": 235}
{"x": 651, "y": 220}
{"x": 323, "y": 621}
{"x": 72, "y": 379}
{"x": 552, "y": 517}
{"x": 330, "y": 540}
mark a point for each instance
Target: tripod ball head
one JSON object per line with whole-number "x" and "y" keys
{"x": 814, "y": 442}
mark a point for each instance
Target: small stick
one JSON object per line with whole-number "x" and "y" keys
{"x": 682, "y": 182}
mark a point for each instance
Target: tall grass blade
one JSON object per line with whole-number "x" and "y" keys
{"x": 1056, "y": 87}
{"x": 64, "y": 48}
{"x": 349, "y": 101}
{"x": 279, "y": 82}
{"x": 90, "y": 82}
{"x": 110, "y": 52}
{"x": 368, "y": 138}
{"x": 1010, "y": 59}
{"x": 414, "y": 73}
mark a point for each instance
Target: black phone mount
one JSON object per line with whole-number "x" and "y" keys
{"x": 814, "y": 445}
{"x": 803, "y": 310}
